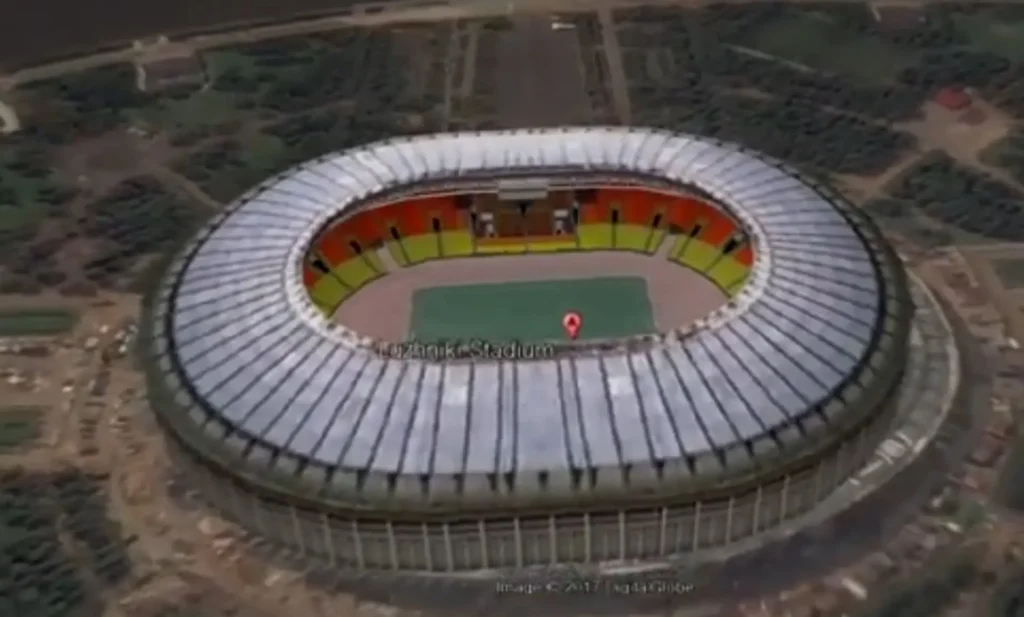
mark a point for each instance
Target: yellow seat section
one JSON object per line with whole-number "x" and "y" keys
{"x": 497, "y": 248}
{"x": 657, "y": 237}
{"x": 632, "y": 237}
{"x": 395, "y": 250}
{"x": 550, "y": 246}
{"x": 456, "y": 243}
{"x": 678, "y": 246}
{"x": 699, "y": 255}
{"x": 373, "y": 259}
{"x": 728, "y": 274}
{"x": 355, "y": 272}
{"x": 327, "y": 293}
{"x": 421, "y": 248}
{"x": 595, "y": 236}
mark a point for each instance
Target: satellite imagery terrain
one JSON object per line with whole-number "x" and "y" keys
{"x": 474, "y": 308}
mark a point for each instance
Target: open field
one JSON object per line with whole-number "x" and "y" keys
{"x": 675, "y": 296}
{"x": 19, "y": 427}
{"x": 41, "y": 322}
{"x": 532, "y": 311}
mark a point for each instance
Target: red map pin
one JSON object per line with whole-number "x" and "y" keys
{"x": 572, "y": 322}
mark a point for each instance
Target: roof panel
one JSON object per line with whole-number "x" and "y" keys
{"x": 597, "y": 427}
{"x": 660, "y": 427}
{"x": 665, "y": 372}
{"x": 419, "y": 457}
{"x": 626, "y": 413}
{"x": 484, "y": 417}
{"x": 507, "y": 410}
{"x": 540, "y": 417}
{"x": 394, "y": 436}
{"x": 451, "y": 436}
{"x": 573, "y": 415}
{"x": 712, "y": 397}
{"x": 342, "y": 429}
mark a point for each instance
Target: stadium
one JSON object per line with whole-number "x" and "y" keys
{"x": 691, "y": 413}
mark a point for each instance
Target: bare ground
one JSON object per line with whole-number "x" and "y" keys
{"x": 678, "y": 295}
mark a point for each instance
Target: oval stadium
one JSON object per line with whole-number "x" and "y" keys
{"x": 362, "y": 359}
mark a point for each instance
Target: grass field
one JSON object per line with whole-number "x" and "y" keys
{"x": 38, "y": 322}
{"x": 532, "y": 311}
{"x": 19, "y": 426}
{"x": 813, "y": 40}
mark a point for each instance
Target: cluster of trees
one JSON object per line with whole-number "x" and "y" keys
{"x": 82, "y": 104}
{"x": 1008, "y": 599}
{"x": 927, "y": 593}
{"x": 222, "y": 170}
{"x": 297, "y": 75}
{"x": 963, "y": 198}
{"x": 39, "y": 575}
{"x": 793, "y": 130}
{"x": 1009, "y": 154}
{"x": 137, "y": 218}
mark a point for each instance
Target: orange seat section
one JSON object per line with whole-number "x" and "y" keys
{"x": 744, "y": 255}
{"x": 684, "y": 212}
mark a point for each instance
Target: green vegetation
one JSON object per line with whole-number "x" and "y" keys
{"x": 963, "y": 198}
{"x": 532, "y": 311}
{"x": 19, "y": 427}
{"x": 37, "y": 322}
{"x": 925, "y": 593}
{"x": 996, "y": 32}
{"x": 39, "y": 575}
{"x": 1010, "y": 489}
{"x": 136, "y": 219}
{"x": 824, "y": 43}
{"x": 1008, "y": 154}
{"x": 1008, "y": 598}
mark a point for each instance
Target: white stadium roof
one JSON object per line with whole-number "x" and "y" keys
{"x": 263, "y": 380}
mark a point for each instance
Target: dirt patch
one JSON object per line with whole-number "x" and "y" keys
{"x": 383, "y": 309}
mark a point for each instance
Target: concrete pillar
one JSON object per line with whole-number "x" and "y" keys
{"x": 663, "y": 533}
{"x": 449, "y": 553}
{"x": 622, "y": 535}
{"x": 696, "y": 527}
{"x": 728, "y": 519}
{"x": 357, "y": 545}
{"x": 428, "y": 558}
{"x": 325, "y": 527}
{"x": 485, "y": 555}
{"x": 297, "y": 530}
{"x": 757, "y": 511}
{"x": 519, "y": 541}
{"x": 392, "y": 546}
{"x": 587, "y": 552}
{"x": 552, "y": 540}
{"x": 784, "y": 504}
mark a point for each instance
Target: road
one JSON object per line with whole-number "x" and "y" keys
{"x": 87, "y": 25}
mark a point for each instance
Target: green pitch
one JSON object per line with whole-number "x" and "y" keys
{"x": 532, "y": 311}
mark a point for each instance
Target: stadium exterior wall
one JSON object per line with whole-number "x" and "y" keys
{"x": 495, "y": 542}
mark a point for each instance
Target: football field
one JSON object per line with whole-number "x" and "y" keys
{"x": 532, "y": 311}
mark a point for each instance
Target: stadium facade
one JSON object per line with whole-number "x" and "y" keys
{"x": 641, "y": 449}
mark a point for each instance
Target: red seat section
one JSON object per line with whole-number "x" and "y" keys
{"x": 333, "y": 243}
{"x": 718, "y": 228}
{"x": 684, "y": 212}
{"x": 635, "y": 207}
{"x": 451, "y": 217}
{"x": 309, "y": 275}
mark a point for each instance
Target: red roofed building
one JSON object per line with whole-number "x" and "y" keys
{"x": 953, "y": 99}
